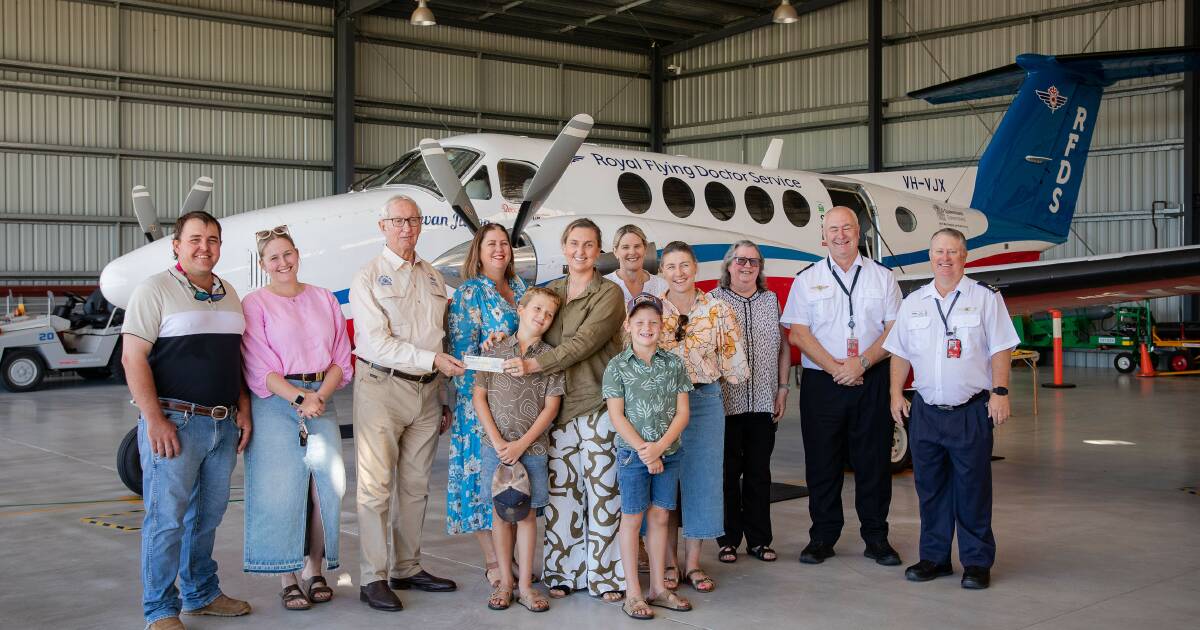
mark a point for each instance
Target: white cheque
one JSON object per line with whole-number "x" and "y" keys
{"x": 484, "y": 364}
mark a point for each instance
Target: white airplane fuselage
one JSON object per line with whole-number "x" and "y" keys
{"x": 337, "y": 235}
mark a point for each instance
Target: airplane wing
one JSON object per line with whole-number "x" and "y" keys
{"x": 1087, "y": 281}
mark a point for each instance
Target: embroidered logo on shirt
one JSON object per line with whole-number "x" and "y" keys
{"x": 385, "y": 280}
{"x": 820, "y": 287}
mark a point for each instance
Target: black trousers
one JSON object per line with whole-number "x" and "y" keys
{"x": 840, "y": 425}
{"x": 749, "y": 441}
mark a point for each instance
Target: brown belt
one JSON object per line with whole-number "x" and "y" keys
{"x": 314, "y": 377}
{"x": 427, "y": 378}
{"x": 219, "y": 412}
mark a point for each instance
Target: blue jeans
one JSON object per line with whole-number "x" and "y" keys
{"x": 639, "y": 488}
{"x": 277, "y": 484}
{"x": 185, "y": 498}
{"x": 701, "y": 481}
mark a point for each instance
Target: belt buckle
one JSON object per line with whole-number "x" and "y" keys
{"x": 222, "y": 410}
{"x": 945, "y": 407}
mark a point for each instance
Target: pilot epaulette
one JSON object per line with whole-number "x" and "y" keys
{"x": 810, "y": 266}
{"x": 988, "y": 287}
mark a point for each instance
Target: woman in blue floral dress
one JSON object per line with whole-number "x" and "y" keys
{"x": 484, "y": 303}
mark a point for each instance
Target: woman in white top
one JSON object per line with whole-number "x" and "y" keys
{"x": 629, "y": 246}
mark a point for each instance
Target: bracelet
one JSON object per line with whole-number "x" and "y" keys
{"x": 786, "y": 386}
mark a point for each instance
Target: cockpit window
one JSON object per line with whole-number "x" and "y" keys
{"x": 410, "y": 170}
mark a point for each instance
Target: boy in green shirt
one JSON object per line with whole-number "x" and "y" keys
{"x": 646, "y": 389}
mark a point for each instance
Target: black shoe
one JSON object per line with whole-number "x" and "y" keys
{"x": 377, "y": 595}
{"x": 925, "y": 570}
{"x": 976, "y": 578}
{"x": 425, "y": 582}
{"x": 882, "y": 553}
{"x": 816, "y": 553}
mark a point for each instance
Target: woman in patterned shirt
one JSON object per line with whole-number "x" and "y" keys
{"x": 484, "y": 303}
{"x": 704, "y": 332}
{"x": 752, "y": 408}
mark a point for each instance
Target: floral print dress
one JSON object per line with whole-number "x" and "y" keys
{"x": 476, "y": 311}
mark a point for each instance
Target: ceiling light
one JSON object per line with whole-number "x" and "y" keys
{"x": 422, "y": 16}
{"x": 785, "y": 13}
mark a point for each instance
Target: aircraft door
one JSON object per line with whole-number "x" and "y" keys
{"x": 855, "y": 197}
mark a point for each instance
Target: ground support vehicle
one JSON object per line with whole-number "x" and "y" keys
{"x": 86, "y": 341}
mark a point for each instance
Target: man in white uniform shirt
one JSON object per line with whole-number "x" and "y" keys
{"x": 838, "y": 312}
{"x": 399, "y": 307}
{"x": 957, "y": 336}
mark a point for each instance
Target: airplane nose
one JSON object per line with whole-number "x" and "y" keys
{"x": 116, "y": 283}
{"x": 120, "y": 277}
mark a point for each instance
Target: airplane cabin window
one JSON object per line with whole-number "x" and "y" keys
{"x": 634, "y": 193}
{"x": 720, "y": 201}
{"x": 479, "y": 187}
{"x": 679, "y": 197}
{"x": 795, "y": 207}
{"x": 382, "y": 176}
{"x": 414, "y": 172}
{"x": 759, "y": 204}
{"x": 514, "y": 177}
{"x": 906, "y": 219}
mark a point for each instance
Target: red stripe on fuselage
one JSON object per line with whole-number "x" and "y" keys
{"x": 1006, "y": 258}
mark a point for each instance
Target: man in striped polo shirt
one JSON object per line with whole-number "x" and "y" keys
{"x": 183, "y": 361}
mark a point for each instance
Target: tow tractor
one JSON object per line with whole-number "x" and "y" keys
{"x": 84, "y": 340}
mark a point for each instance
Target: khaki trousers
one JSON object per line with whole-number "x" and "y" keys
{"x": 395, "y": 439}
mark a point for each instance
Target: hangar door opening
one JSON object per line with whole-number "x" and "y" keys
{"x": 855, "y": 197}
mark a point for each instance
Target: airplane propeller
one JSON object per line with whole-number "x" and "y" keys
{"x": 446, "y": 180}
{"x": 557, "y": 159}
{"x": 147, "y": 215}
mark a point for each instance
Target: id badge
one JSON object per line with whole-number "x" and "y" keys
{"x": 851, "y": 347}
{"x": 953, "y": 348}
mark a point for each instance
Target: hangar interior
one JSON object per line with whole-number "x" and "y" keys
{"x": 281, "y": 101}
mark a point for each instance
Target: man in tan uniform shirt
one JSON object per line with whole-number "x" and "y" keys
{"x": 399, "y": 307}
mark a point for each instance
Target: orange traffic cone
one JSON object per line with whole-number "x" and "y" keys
{"x": 1145, "y": 366}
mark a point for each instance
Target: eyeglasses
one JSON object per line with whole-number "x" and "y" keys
{"x": 744, "y": 261}
{"x": 278, "y": 230}
{"x": 398, "y": 222}
{"x": 681, "y": 328}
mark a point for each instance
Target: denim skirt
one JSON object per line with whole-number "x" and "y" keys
{"x": 278, "y": 470}
{"x": 701, "y": 481}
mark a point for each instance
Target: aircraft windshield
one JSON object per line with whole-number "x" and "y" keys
{"x": 410, "y": 169}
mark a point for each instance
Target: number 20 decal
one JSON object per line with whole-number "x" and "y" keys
{"x": 46, "y": 336}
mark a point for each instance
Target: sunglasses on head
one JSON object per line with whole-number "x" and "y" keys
{"x": 743, "y": 261}
{"x": 278, "y": 230}
{"x": 680, "y": 329}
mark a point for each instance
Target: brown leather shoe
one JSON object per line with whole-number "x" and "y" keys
{"x": 377, "y": 595}
{"x": 223, "y": 606}
{"x": 167, "y": 623}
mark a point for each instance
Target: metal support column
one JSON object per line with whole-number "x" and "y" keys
{"x": 1191, "y": 149}
{"x": 343, "y": 99}
{"x": 875, "y": 85}
{"x": 657, "y": 103}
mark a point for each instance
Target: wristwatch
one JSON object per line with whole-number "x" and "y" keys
{"x": 1000, "y": 391}
{"x": 785, "y": 386}
{"x": 299, "y": 400}
{"x": 864, "y": 361}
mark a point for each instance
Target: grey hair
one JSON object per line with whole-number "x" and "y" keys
{"x": 760, "y": 281}
{"x": 962, "y": 238}
{"x": 383, "y": 210}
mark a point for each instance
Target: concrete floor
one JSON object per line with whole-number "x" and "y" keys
{"x": 1090, "y": 536}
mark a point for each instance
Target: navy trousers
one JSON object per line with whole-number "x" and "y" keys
{"x": 952, "y": 471}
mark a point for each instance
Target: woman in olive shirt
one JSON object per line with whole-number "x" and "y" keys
{"x": 581, "y": 550}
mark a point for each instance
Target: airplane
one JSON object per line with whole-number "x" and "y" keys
{"x": 1017, "y": 203}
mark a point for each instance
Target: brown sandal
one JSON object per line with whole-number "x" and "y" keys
{"x": 492, "y": 566}
{"x": 704, "y": 584}
{"x": 637, "y": 608}
{"x": 534, "y": 601}
{"x": 671, "y": 582}
{"x": 671, "y": 601}
{"x": 317, "y": 589}
{"x": 500, "y": 599}
{"x": 291, "y": 594}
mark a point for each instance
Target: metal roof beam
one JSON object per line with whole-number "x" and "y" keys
{"x": 351, "y": 8}
{"x": 743, "y": 26}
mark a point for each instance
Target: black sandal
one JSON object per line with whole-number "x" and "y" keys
{"x": 559, "y": 591}
{"x": 761, "y": 552}
{"x": 292, "y": 593}
{"x": 728, "y": 554}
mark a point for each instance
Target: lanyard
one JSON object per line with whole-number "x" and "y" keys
{"x": 946, "y": 316}
{"x": 849, "y": 293}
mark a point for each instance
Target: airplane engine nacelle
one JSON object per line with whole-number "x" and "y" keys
{"x": 451, "y": 261}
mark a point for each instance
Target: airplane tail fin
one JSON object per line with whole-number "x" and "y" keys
{"x": 1030, "y": 172}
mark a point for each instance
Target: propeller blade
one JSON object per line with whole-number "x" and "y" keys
{"x": 147, "y": 216}
{"x": 198, "y": 196}
{"x": 447, "y": 182}
{"x": 557, "y": 159}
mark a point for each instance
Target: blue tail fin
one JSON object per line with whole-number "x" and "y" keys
{"x": 1031, "y": 170}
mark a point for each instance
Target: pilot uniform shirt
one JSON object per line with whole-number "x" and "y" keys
{"x": 979, "y": 320}
{"x": 817, "y": 301}
{"x": 399, "y": 311}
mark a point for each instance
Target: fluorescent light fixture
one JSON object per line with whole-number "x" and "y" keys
{"x": 422, "y": 16}
{"x": 1109, "y": 443}
{"x": 785, "y": 13}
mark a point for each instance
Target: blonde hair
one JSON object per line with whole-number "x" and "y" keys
{"x": 533, "y": 292}
{"x": 473, "y": 264}
{"x": 625, "y": 230}
{"x": 583, "y": 223}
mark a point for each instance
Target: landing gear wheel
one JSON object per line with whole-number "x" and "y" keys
{"x": 129, "y": 462}
{"x": 22, "y": 370}
{"x": 1124, "y": 362}
{"x": 1179, "y": 362}
{"x": 901, "y": 453}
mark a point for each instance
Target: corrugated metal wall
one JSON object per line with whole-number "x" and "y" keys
{"x": 730, "y": 97}
{"x": 96, "y": 96}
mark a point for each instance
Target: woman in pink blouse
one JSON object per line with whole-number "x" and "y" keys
{"x": 296, "y": 353}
